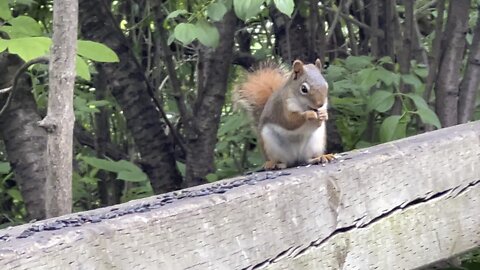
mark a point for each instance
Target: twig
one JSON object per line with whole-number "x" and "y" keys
{"x": 16, "y": 77}
{"x": 150, "y": 88}
{"x": 360, "y": 24}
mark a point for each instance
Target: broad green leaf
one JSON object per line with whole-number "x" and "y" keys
{"x": 3, "y": 44}
{"x": 15, "y": 194}
{"x": 385, "y": 75}
{"x": 388, "y": 127}
{"x": 181, "y": 167}
{"x": 98, "y": 103}
{"x": 5, "y": 12}
{"x": 132, "y": 176}
{"x": 25, "y": 2}
{"x": 429, "y": 117}
{"x": 418, "y": 100}
{"x": 25, "y": 26}
{"x": 207, "y": 34}
{"x": 246, "y": 9}
{"x": 358, "y": 62}
{"x": 216, "y": 11}
{"x": 368, "y": 77}
{"x": 96, "y": 51}
{"x": 104, "y": 164}
{"x": 30, "y": 47}
{"x": 385, "y": 60}
{"x": 4, "y": 167}
{"x": 412, "y": 79}
{"x": 82, "y": 68}
{"x": 211, "y": 177}
{"x": 381, "y": 101}
{"x": 285, "y": 6}
{"x": 176, "y": 13}
{"x": 421, "y": 72}
{"x": 185, "y": 33}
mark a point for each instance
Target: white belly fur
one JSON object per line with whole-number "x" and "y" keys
{"x": 294, "y": 146}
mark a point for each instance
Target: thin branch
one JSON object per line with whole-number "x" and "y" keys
{"x": 16, "y": 77}
{"x": 372, "y": 31}
{"x": 436, "y": 51}
{"x": 150, "y": 89}
{"x": 166, "y": 54}
{"x": 335, "y": 21}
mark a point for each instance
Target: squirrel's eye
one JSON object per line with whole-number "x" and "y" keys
{"x": 304, "y": 89}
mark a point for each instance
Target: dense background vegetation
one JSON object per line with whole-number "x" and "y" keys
{"x": 154, "y": 78}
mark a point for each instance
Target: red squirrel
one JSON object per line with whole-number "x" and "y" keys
{"x": 289, "y": 110}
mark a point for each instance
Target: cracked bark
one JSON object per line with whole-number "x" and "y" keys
{"x": 130, "y": 88}
{"x": 25, "y": 141}
{"x": 453, "y": 48}
{"x": 213, "y": 68}
{"x": 471, "y": 79}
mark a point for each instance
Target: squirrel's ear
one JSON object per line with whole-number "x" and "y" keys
{"x": 297, "y": 68}
{"x": 318, "y": 63}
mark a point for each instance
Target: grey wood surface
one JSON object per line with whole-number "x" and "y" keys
{"x": 398, "y": 205}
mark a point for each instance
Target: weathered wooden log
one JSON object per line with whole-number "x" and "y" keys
{"x": 398, "y": 205}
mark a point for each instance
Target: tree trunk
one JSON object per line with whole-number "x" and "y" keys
{"x": 213, "y": 71}
{"x": 453, "y": 48}
{"x": 109, "y": 189}
{"x": 60, "y": 118}
{"x": 471, "y": 80}
{"x": 132, "y": 91}
{"x": 436, "y": 52}
{"x": 25, "y": 142}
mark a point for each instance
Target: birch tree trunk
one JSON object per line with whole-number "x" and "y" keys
{"x": 60, "y": 118}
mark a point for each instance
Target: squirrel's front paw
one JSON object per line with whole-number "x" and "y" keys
{"x": 274, "y": 165}
{"x": 310, "y": 115}
{"x": 322, "y": 114}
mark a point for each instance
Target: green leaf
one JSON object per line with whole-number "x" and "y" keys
{"x": 132, "y": 176}
{"x": 368, "y": 77}
{"x": 381, "y": 101}
{"x": 389, "y": 127}
{"x": 185, "y": 33}
{"x": 176, "y": 13}
{"x": 98, "y": 103}
{"x": 131, "y": 173}
{"x": 181, "y": 167}
{"x": 385, "y": 75}
{"x": 103, "y": 164}
{"x": 412, "y": 79}
{"x": 216, "y": 11}
{"x": 285, "y": 6}
{"x": 211, "y": 177}
{"x": 5, "y": 12}
{"x": 82, "y": 69}
{"x": 358, "y": 62}
{"x": 96, "y": 51}
{"x": 418, "y": 100}
{"x": 25, "y": 2}
{"x": 421, "y": 72}
{"x": 29, "y": 48}
{"x": 4, "y": 167}
{"x": 246, "y": 9}
{"x": 15, "y": 194}
{"x": 3, "y": 44}
{"x": 207, "y": 34}
{"x": 429, "y": 117}
{"x": 25, "y": 26}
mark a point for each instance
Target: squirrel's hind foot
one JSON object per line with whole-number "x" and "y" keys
{"x": 274, "y": 165}
{"x": 322, "y": 159}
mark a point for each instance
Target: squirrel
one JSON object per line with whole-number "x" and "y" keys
{"x": 289, "y": 111}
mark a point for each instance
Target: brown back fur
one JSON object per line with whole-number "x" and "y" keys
{"x": 258, "y": 86}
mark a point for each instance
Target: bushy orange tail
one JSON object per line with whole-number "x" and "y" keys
{"x": 257, "y": 86}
